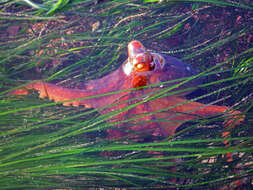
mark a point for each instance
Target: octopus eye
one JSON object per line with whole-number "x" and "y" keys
{"x": 139, "y": 66}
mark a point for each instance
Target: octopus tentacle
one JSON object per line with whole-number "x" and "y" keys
{"x": 58, "y": 94}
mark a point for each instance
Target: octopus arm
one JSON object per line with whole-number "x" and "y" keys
{"x": 200, "y": 109}
{"x": 180, "y": 110}
{"x": 58, "y": 93}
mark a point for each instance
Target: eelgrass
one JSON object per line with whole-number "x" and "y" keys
{"x": 45, "y": 145}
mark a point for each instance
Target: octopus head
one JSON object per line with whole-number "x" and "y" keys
{"x": 140, "y": 59}
{"x": 141, "y": 63}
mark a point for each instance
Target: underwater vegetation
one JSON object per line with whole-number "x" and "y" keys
{"x": 45, "y": 145}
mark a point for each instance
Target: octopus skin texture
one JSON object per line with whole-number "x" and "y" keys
{"x": 142, "y": 68}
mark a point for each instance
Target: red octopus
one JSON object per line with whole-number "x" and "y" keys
{"x": 160, "y": 116}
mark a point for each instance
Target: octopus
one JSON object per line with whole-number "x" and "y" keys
{"x": 147, "y": 91}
